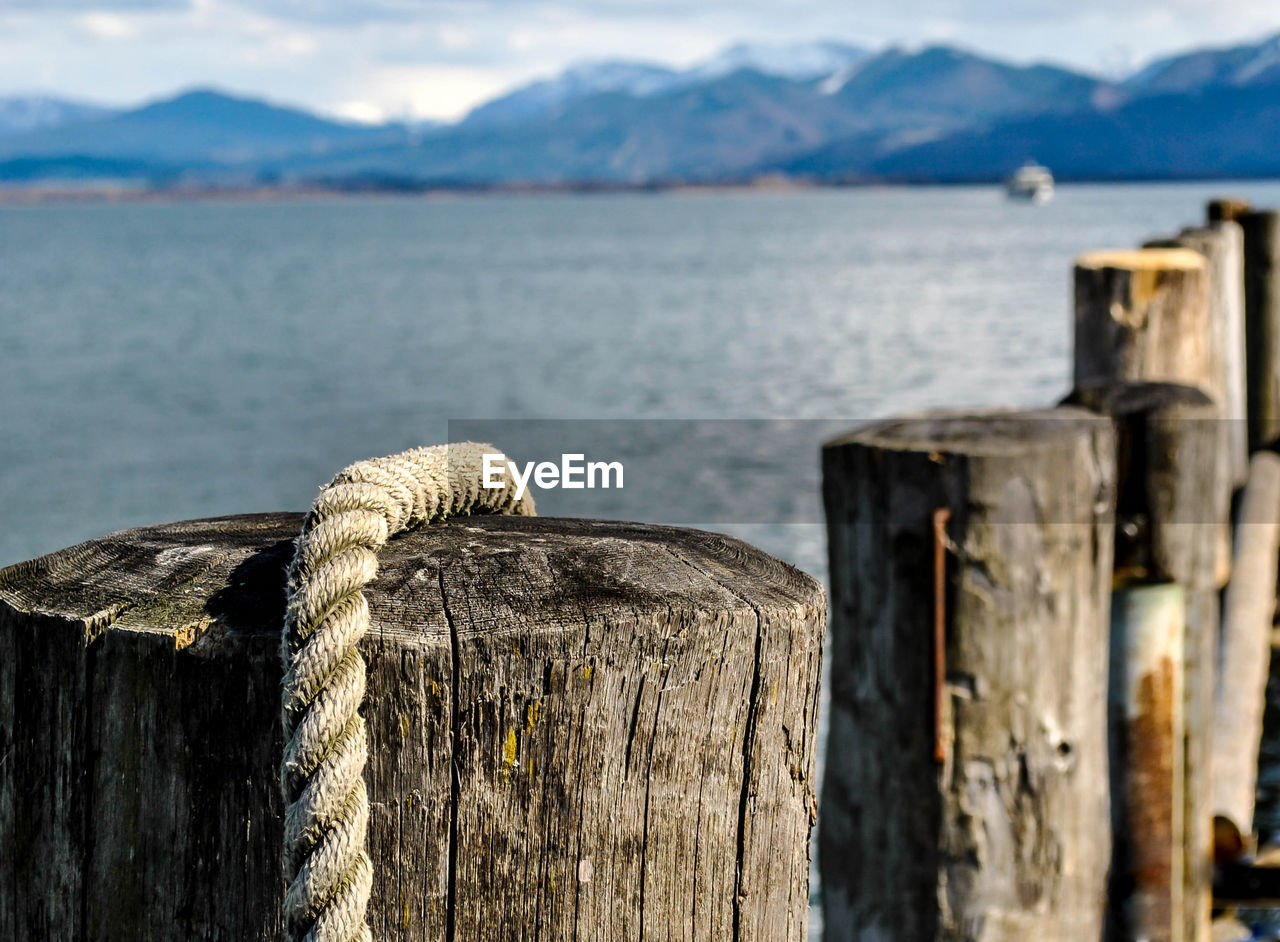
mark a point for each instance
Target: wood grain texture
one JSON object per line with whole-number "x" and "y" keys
{"x": 579, "y": 730}
{"x": 1009, "y": 838}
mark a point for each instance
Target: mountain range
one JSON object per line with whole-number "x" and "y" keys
{"x": 825, "y": 112}
{"x": 22, "y": 113}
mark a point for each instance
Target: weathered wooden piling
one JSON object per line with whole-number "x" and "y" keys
{"x": 1147, "y": 776}
{"x": 579, "y": 730}
{"x": 1222, "y": 245}
{"x": 1164, "y": 315}
{"x": 1262, "y": 324}
{"x": 1008, "y": 837}
{"x": 1226, "y": 209}
{"x": 1142, "y": 315}
{"x": 1173, "y": 498}
{"x": 1172, "y": 511}
{"x": 1249, "y": 606}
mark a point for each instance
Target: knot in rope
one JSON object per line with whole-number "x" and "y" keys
{"x": 322, "y": 772}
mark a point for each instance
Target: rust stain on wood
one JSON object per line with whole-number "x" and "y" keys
{"x": 1151, "y": 750}
{"x": 940, "y": 518}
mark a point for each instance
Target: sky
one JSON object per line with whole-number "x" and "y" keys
{"x": 372, "y": 60}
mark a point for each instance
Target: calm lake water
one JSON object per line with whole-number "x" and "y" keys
{"x": 167, "y": 361}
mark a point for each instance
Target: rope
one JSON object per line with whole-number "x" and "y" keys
{"x": 322, "y": 773}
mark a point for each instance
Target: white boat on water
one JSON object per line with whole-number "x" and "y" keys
{"x": 1031, "y": 182}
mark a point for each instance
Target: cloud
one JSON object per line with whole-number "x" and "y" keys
{"x": 436, "y": 58}
{"x": 107, "y": 25}
{"x": 427, "y": 91}
{"x": 82, "y": 6}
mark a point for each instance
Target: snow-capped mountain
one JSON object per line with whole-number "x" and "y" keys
{"x": 1249, "y": 64}
{"x": 801, "y": 62}
{"x": 23, "y": 113}
{"x": 543, "y": 97}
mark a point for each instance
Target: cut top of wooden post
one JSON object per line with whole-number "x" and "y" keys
{"x": 196, "y": 578}
{"x": 1153, "y": 260}
{"x": 978, "y": 433}
{"x": 1227, "y": 209}
{"x": 1143, "y": 314}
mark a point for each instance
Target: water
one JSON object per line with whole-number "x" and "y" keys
{"x": 166, "y": 361}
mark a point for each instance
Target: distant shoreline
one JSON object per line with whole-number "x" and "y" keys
{"x": 123, "y": 193}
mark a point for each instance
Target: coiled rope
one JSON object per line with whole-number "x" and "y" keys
{"x": 322, "y": 773}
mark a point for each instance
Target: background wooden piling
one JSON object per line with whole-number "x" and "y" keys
{"x": 1172, "y": 511}
{"x": 1173, "y": 496}
{"x": 579, "y": 730}
{"x": 1143, "y": 315}
{"x": 1171, "y": 315}
{"x": 1008, "y": 838}
{"x": 1249, "y": 606}
{"x": 1147, "y": 776}
{"x": 1226, "y": 209}
{"x": 1222, "y": 245}
{"x": 1262, "y": 324}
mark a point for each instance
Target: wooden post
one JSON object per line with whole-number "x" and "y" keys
{"x": 1146, "y": 315}
{"x": 1226, "y": 209}
{"x": 1008, "y": 837}
{"x": 1222, "y": 246}
{"x": 1262, "y": 325}
{"x": 1142, "y": 315}
{"x": 578, "y": 729}
{"x": 1173, "y": 503}
{"x": 1248, "y": 609}
{"x": 1146, "y": 698}
{"x": 1172, "y": 516}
